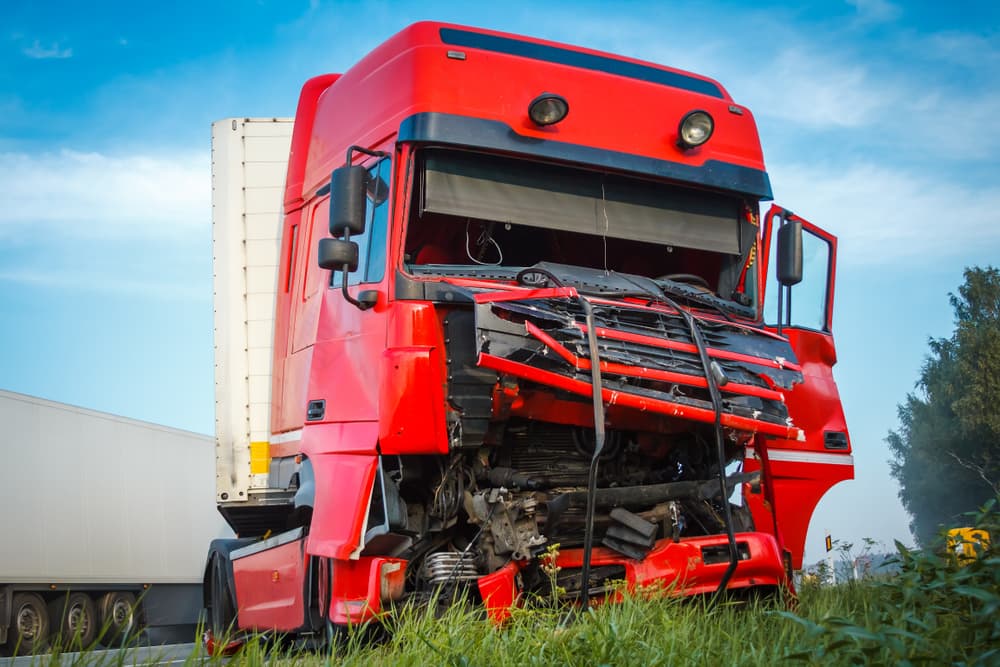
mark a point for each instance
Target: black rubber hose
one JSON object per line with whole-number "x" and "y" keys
{"x": 599, "y": 434}
{"x": 720, "y": 451}
{"x": 713, "y": 389}
{"x": 650, "y": 494}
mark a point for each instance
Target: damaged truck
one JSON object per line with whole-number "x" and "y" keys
{"x": 490, "y": 300}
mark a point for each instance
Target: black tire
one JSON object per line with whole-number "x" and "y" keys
{"x": 116, "y": 614}
{"x": 221, "y": 609}
{"x": 29, "y": 624}
{"x": 73, "y": 620}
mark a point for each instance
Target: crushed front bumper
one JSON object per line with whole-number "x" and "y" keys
{"x": 691, "y": 566}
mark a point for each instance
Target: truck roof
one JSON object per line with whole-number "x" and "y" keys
{"x": 617, "y": 104}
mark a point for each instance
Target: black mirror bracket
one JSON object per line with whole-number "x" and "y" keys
{"x": 368, "y": 297}
{"x": 358, "y": 149}
{"x": 347, "y": 188}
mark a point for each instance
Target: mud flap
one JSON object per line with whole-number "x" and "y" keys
{"x": 343, "y": 495}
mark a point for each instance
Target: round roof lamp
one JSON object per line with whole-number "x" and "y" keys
{"x": 548, "y": 109}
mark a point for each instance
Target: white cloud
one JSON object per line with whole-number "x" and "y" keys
{"x": 888, "y": 217}
{"x": 96, "y": 195}
{"x": 37, "y": 51}
{"x": 820, "y": 91}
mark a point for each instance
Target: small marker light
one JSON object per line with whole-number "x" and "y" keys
{"x": 695, "y": 129}
{"x": 548, "y": 109}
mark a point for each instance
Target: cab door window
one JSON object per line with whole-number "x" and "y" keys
{"x": 805, "y": 305}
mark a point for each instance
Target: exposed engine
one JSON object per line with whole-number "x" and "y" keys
{"x": 512, "y": 501}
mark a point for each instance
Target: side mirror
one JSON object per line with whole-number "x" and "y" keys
{"x": 341, "y": 255}
{"x": 348, "y": 187}
{"x": 790, "y": 253}
{"x": 336, "y": 255}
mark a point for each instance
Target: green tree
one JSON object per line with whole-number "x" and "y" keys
{"x": 946, "y": 453}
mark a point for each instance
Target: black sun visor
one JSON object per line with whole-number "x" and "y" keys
{"x": 472, "y": 185}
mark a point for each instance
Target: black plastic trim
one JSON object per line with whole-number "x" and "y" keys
{"x": 591, "y": 61}
{"x": 408, "y": 289}
{"x": 836, "y": 440}
{"x": 316, "y": 410}
{"x": 444, "y": 128}
{"x": 278, "y": 540}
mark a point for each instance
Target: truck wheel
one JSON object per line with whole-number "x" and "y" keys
{"x": 221, "y": 613}
{"x": 29, "y": 621}
{"x": 115, "y": 617}
{"x": 73, "y": 620}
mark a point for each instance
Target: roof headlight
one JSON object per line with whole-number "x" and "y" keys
{"x": 695, "y": 129}
{"x": 548, "y": 109}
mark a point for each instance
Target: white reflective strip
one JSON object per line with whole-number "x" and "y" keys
{"x": 792, "y": 456}
{"x": 282, "y": 438}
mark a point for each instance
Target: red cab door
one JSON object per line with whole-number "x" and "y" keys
{"x": 802, "y": 471}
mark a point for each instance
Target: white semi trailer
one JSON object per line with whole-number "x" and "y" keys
{"x": 101, "y": 513}
{"x": 124, "y": 511}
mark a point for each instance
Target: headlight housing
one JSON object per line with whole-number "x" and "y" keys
{"x": 695, "y": 129}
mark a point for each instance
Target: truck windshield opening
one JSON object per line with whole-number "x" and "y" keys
{"x": 478, "y": 210}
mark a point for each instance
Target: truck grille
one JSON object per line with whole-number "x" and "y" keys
{"x": 648, "y": 357}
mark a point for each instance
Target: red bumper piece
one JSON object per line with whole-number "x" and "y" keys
{"x": 691, "y": 566}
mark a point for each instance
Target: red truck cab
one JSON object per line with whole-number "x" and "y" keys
{"x": 521, "y": 309}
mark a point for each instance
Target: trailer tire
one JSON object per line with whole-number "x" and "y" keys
{"x": 116, "y": 617}
{"x": 73, "y": 620}
{"x": 221, "y": 610}
{"x": 29, "y": 624}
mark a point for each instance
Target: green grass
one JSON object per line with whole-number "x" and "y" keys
{"x": 946, "y": 619}
{"x": 932, "y": 612}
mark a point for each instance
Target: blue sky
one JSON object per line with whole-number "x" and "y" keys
{"x": 878, "y": 119}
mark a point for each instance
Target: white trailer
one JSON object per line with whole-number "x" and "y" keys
{"x": 249, "y": 161}
{"x": 100, "y": 512}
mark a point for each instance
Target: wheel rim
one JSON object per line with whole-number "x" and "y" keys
{"x": 77, "y": 620}
{"x": 121, "y": 613}
{"x": 29, "y": 623}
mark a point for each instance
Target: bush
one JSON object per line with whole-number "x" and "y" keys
{"x": 934, "y": 611}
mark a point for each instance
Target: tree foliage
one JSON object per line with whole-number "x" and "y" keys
{"x": 946, "y": 453}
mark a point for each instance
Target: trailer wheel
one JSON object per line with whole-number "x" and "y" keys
{"x": 221, "y": 612}
{"x": 116, "y": 617}
{"x": 29, "y": 621}
{"x": 73, "y": 620}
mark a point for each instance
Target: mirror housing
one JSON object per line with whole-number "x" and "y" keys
{"x": 790, "y": 253}
{"x": 348, "y": 187}
{"x": 335, "y": 254}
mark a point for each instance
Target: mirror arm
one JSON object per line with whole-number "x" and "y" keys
{"x": 358, "y": 149}
{"x": 363, "y": 304}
